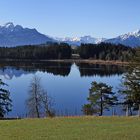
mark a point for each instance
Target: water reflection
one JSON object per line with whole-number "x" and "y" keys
{"x": 17, "y": 69}
{"x": 67, "y": 83}
{"x": 100, "y": 70}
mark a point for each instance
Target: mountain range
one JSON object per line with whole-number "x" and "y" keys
{"x": 15, "y": 35}
{"x": 131, "y": 39}
{"x": 76, "y": 41}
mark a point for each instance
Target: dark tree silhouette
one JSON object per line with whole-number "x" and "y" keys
{"x": 105, "y": 51}
{"x": 131, "y": 85}
{"x": 100, "y": 98}
{"x": 38, "y": 102}
{"x": 5, "y": 101}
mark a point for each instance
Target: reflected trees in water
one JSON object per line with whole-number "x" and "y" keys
{"x": 87, "y": 69}
{"x": 62, "y": 68}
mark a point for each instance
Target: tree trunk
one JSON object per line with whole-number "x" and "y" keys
{"x": 101, "y": 113}
{"x": 37, "y": 110}
{"x": 131, "y": 111}
{"x": 36, "y": 102}
{"x": 127, "y": 111}
{"x": 113, "y": 111}
{"x": 139, "y": 111}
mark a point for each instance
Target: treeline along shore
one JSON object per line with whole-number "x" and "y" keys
{"x": 101, "y": 95}
{"x": 89, "y": 53}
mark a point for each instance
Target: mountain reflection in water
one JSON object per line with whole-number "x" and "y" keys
{"x": 11, "y": 69}
{"x": 67, "y": 83}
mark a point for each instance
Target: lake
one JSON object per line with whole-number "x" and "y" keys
{"x": 67, "y": 83}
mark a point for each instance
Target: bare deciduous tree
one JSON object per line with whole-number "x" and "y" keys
{"x": 34, "y": 101}
{"x": 38, "y": 102}
{"x": 47, "y": 102}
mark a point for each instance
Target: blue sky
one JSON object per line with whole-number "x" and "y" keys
{"x": 61, "y": 18}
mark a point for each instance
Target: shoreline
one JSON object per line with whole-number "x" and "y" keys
{"x": 88, "y": 61}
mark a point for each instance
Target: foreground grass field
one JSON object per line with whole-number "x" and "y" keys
{"x": 77, "y": 128}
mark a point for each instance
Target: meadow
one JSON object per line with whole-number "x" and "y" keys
{"x": 71, "y": 128}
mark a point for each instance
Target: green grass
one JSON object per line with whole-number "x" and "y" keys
{"x": 76, "y": 128}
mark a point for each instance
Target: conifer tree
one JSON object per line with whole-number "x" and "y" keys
{"x": 5, "y": 101}
{"x": 100, "y": 97}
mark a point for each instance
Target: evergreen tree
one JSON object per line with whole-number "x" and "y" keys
{"x": 5, "y": 101}
{"x": 100, "y": 97}
{"x": 88, "y": 109}
{"x": 131, "y": 84}
{"x": 37, "y": 52}
{"x": 105, "y": 51}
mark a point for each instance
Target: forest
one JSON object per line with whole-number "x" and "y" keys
{"x": 35, "y": 52}
{"x": 102, "y": 51}
{"x": 106, "y": 51}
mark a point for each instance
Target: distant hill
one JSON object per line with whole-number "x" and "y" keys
{"x": 15, "y": 35}
{"x": 131, "y": 39}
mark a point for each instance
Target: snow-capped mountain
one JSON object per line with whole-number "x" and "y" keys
{"x": 16, "y": 35}
{"x": 78, "y": 40}
{"x": 131, "y": 39}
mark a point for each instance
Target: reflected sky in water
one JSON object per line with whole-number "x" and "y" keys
{"x": 65, "y": 84}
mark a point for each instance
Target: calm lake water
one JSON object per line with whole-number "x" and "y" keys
{"x": 66, "y": 83}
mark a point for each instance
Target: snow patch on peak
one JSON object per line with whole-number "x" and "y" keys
{"x": 131, "y": 39}
{"x": 78, "y": 40}
{"x": 15, "y": 35}
{"x": 137, "y": 31}
{"x": 9, "y": 25}
{"x": 130, "y": 34}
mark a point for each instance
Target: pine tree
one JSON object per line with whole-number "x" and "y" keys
{"x": 131, "y": 84}
{"x": 101, "y": 97}
{"x": 5, "y": 101}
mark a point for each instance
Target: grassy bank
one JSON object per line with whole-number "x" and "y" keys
{"x": 89, "y": 61}
{"x": 77, "y": 128}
